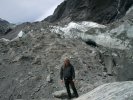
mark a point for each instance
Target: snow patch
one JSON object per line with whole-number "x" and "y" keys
{"x": 20, "y": 34}
{"x": 75, "y": 30}
{"x": 83, "y": 26}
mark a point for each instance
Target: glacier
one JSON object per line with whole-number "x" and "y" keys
{"x": 83, "y": 30}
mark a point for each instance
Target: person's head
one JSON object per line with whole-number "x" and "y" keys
{"x": 66, "y": 62}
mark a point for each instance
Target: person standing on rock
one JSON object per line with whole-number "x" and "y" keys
{"x": 67, "y": 75}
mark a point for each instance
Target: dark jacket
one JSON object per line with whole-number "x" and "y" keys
{"x": 67, "y": 73}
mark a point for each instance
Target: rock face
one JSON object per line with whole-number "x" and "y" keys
{"x": 4, "y": 27}
{"x": 100, "y": 11}
{"x": 110, "y": 91}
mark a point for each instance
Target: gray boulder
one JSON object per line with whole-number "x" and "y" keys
{"x": 110, "y": 91}
{"x": 59, "y": 94}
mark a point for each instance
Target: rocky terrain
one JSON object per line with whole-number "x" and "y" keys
{"x": 100, "y": 11}
{"x": 5, "y": 27}
{"x": 16, "y": 30}
{"x": 30, "y": 64}
{"x": 27, "y": 62}
{"x": 32, "y": 53}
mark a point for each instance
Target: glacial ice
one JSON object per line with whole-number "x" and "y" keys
{"x": 79, "y": 29}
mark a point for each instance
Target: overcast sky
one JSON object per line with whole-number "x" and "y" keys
{"x": 16, "y": 11}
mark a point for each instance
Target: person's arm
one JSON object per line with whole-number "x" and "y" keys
{"x": 73, "y": 73}
{"x": 61, "y": 73}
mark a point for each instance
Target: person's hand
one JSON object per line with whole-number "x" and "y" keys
{"x": 62, "y": 81}
{"x": 74, "y": 80}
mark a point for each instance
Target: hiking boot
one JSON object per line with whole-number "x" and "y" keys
{"x": 69, "y": 98}
{"x": 76, "y": 96}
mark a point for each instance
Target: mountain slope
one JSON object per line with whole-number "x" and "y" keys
{"x": 100, "y": 11}
{"x": 26, "y": 62}
{"x": 4, "y": 26}
{"x": 30, "y": 64}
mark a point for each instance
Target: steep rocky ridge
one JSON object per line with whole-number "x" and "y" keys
{"x": 5, "y": 26}
{"x": 100, "y": 11}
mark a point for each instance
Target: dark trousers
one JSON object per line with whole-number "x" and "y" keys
{"x": 69, "y": 83}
